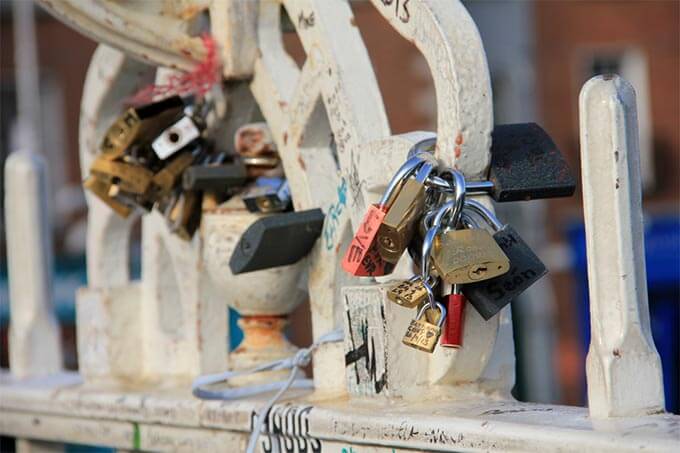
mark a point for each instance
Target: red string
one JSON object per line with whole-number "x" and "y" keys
{"x": 198, "y": 81}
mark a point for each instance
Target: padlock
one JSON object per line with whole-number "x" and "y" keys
{"x": 139, "y": 123}
{"x": 185, "y": 215}
{"x": 180, "y": 134}
{"x": 101, "y": 189}
{"x": 214, "y": 177}
{"x": 277, "y": 240}
{"x": 490, "y": 296}
{"x": 130, "y": 178}
{"x": 362, "y": 257}
{"x": 433, "y": 221}
{"x": 452, "y": 335}
{"x": 167, "y": 178}
{"x": 468, "y": 255}
{"x": 421, "y": 334}
{"x": 411, "y": 293}
{"x": 397, "y": 228}
{"x": 270, "y": 195}
{"x": 525, "y": 165}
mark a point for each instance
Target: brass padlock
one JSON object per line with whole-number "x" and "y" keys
{"x": 143, "y": 122}
{"x": 398, "y": 227}
{"x": 185, "y": 215}
{"x": 467, "y": 256}
{"x": 410, "y": 293}
{"x": 168, "y": 177}
{"x": 421, "y": 334}
{"x": 101, "y": 189}
{"x": 129, "y": 178}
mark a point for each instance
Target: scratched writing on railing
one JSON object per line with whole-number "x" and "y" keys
{"x": 401, "y": 11}
{"x": 366, "y": 350}
{"x": 333, "y": 216}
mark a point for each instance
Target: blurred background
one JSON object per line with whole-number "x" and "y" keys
{"x": 540, "y": 53}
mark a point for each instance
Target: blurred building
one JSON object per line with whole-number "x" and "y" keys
{"x": 540, "y": 53}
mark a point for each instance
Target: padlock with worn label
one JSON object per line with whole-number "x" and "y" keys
{"x": 468, "y": 255}
{"x": 490, "y": 296}
{"x": 362, "y": 257}
{"x": 409, "y": 293}
{"x": 421, "y": 334}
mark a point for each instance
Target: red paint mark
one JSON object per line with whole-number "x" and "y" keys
{"x": 198, "y": 81}
{"x": 459, "y": 139}
{"x": 457, "y": 151}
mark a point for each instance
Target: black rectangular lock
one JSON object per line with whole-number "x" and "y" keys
{"x": 490, "y": 296}
{"x": 277, "y": 240}
{"x": 526, "y": 165}
{"x": 216, "y": 178}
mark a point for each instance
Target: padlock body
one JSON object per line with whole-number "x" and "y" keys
{"x": 398, "y": 227}
{"x": 466, "y": 256}
{"x": 422, "y": 335}
{"x": 490, "y": 296}
{"x": 362, "y": 258}
{"x": 130, "y": 178}
{"x": 409, "y": 293}
{"x": 452, "y": 333}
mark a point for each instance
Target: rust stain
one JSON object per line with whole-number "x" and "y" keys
{"x": 353, "y": 21}
{"x": 337, "y": 248}
{"x": 616, "y": 353}
{"x": 457, "y": 151}
{"x": 283, "y": 104}
{"x": 285, "y": 138}
{"x": 301, "y": 161}
{"x": 459, "y": 139}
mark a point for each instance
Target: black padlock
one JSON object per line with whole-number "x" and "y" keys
{"x": 526, "y": 165}
{"x": 490, "y": 296}
{"x": 216, "y": 178}
{"x": 277, "y": 240}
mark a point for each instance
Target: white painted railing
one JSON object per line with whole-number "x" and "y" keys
{"x": 141, "y": 343}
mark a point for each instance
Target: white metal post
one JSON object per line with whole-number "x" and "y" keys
{"x": 623, "y": 367}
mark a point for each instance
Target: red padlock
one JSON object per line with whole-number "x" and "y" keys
{"x": 452, "y": 335}
{"x": 362, "y": 257}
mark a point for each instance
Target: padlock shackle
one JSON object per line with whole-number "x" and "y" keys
{"x": 485, "y": 213}
{"x": 437, "y": 305}
{"x": 409, "y": 167}
{"x": 454, "y": 207}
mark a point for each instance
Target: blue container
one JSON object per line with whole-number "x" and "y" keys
{"x": 662, "y": 254}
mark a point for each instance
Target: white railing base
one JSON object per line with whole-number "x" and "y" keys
{"x": 170, "y": 419}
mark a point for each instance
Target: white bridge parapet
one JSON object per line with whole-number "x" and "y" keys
{"x": 329, "y": 124}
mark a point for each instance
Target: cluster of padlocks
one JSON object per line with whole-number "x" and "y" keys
{"x": 425, "y": 211}
{"x": 161, "y": 155}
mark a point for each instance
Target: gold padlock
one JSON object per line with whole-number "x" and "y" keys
{"x": 101, "y": 189}
{"x": 165, "y": 179}
{"x": 421, "y": 334}
{"x": 409, "y": 293}
{"x": 185, "y": 215}
{"x": 399, "y": 225}
{"x": 467, "y": 256}
{"x": 130, "y": 178}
